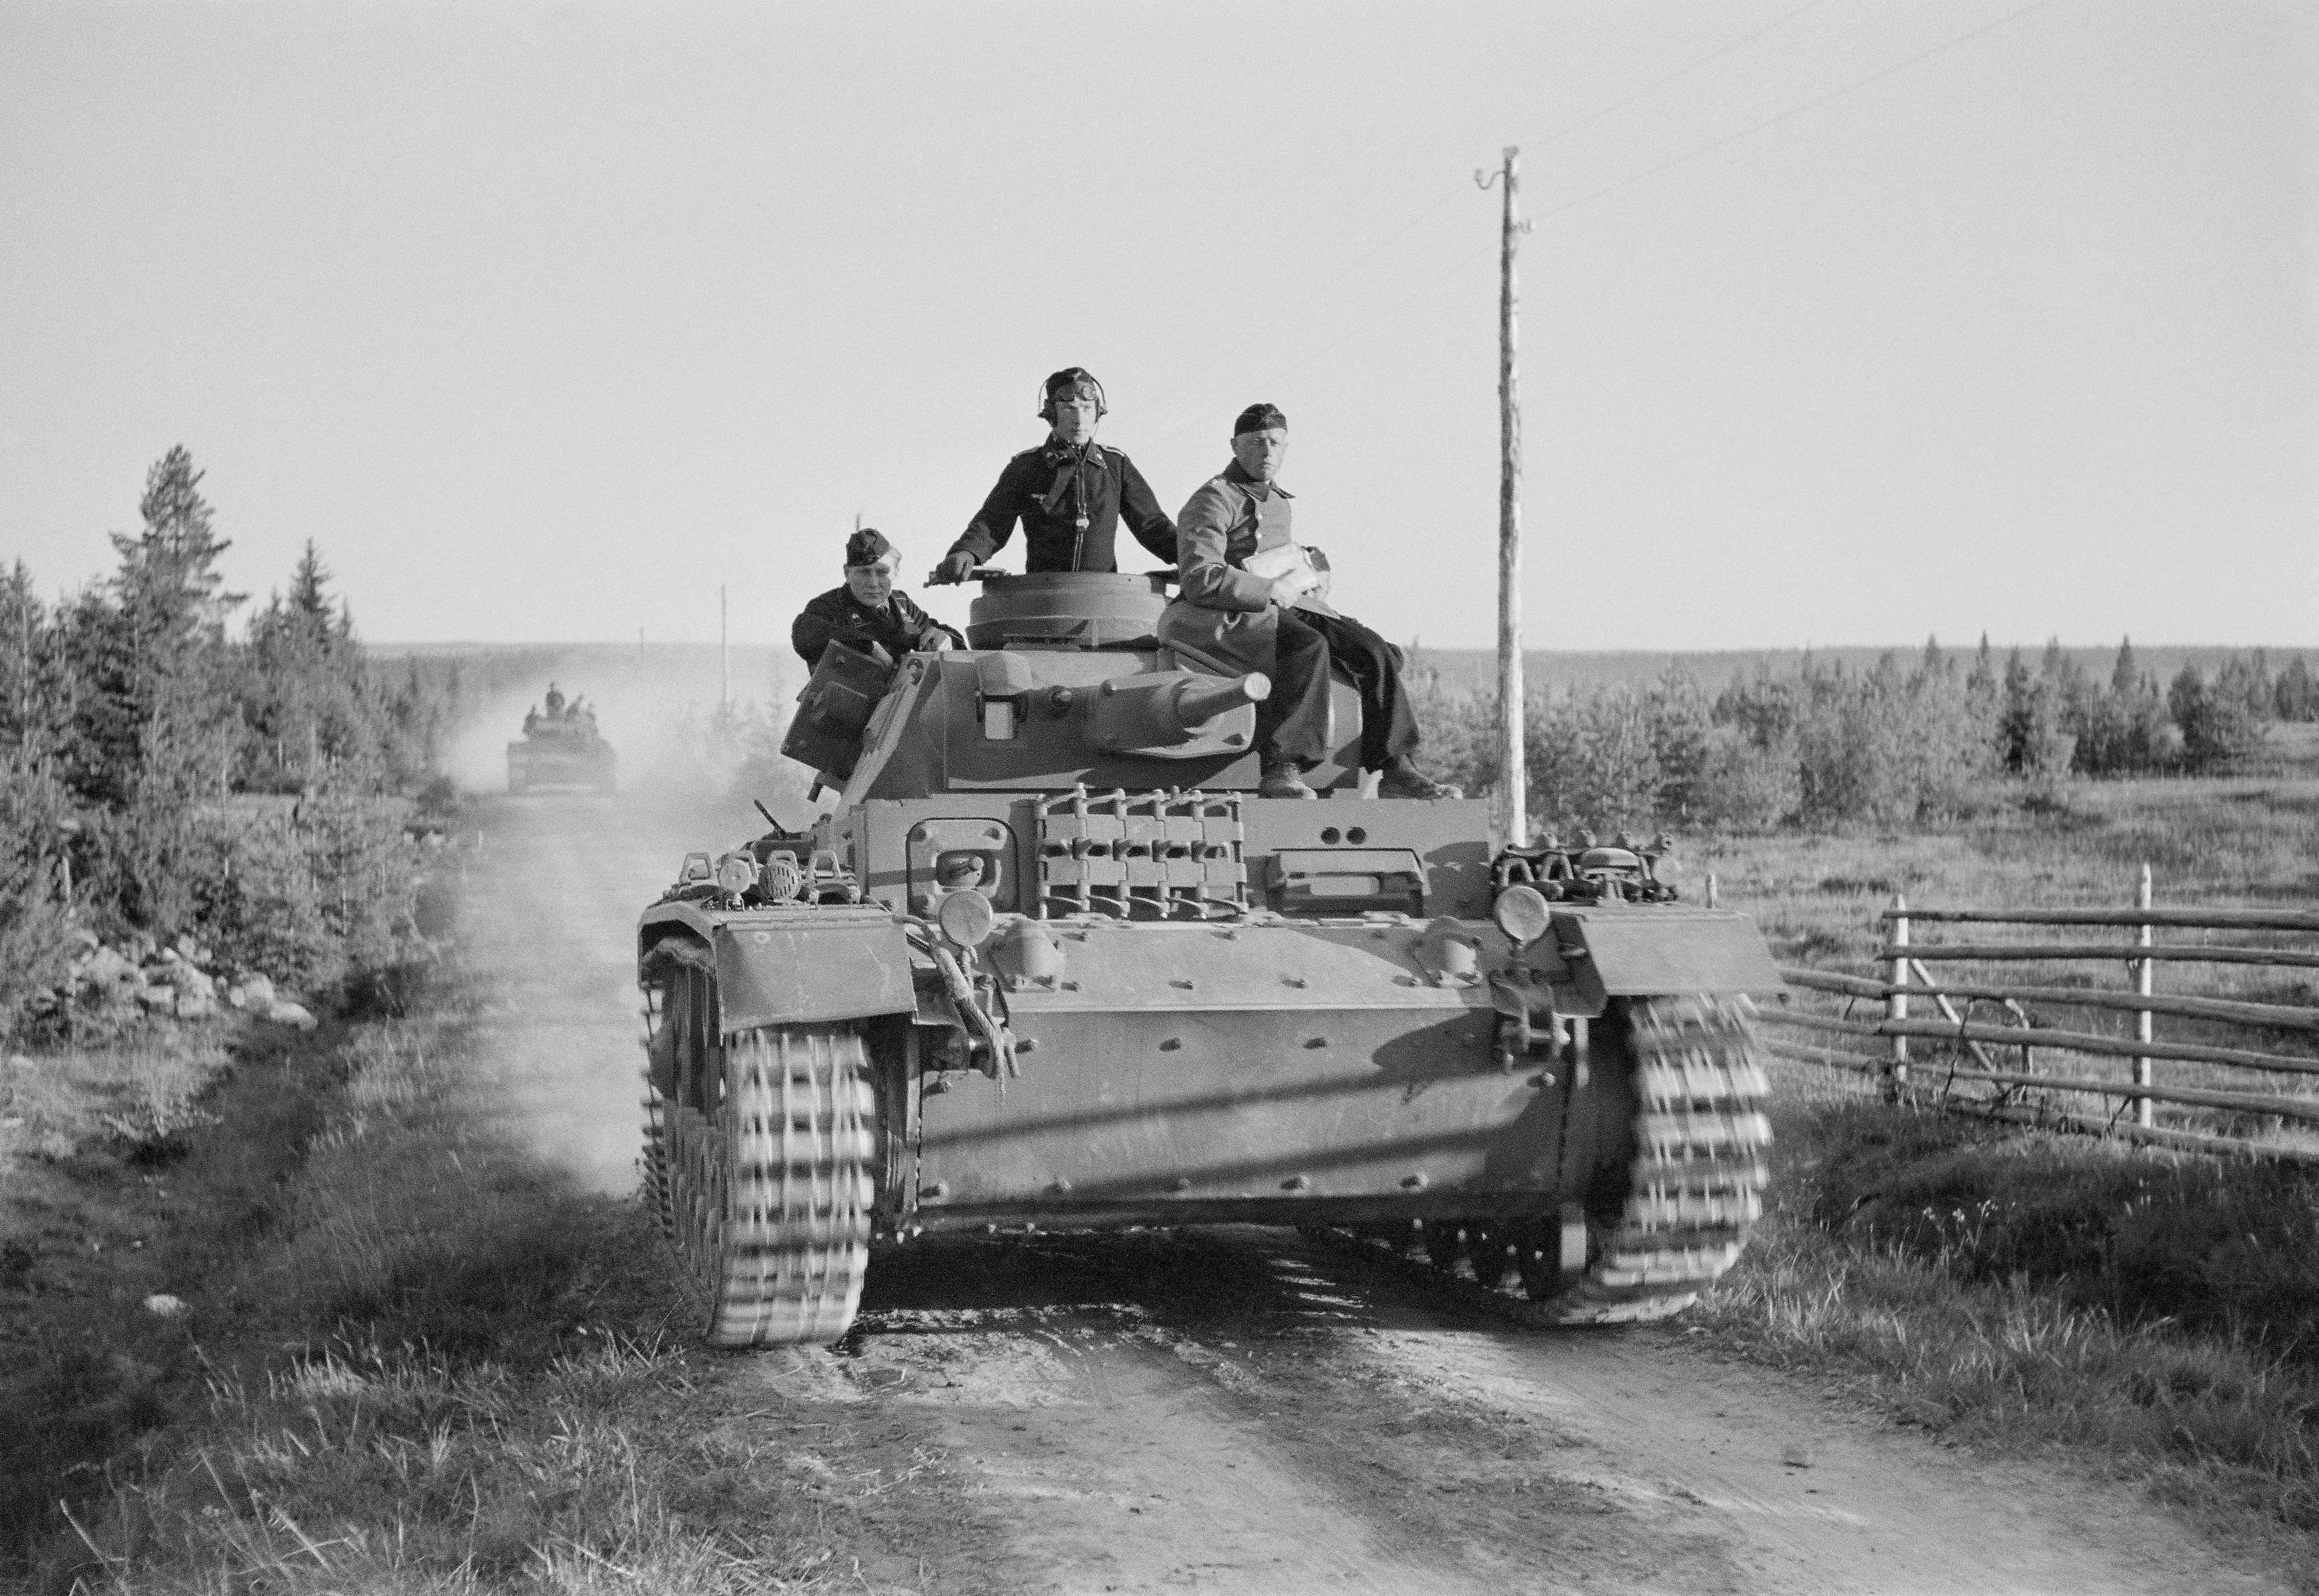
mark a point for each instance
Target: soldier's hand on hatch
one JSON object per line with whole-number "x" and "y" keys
{"x": 936, "y": 641}
{"x": 956, "y": 566}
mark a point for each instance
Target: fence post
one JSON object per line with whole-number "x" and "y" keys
{"x": 2144, "y": 1028}
{"x": 1896, "y": 1003}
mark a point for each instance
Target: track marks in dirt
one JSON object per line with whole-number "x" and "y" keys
{"x": 1234, "y": 1410}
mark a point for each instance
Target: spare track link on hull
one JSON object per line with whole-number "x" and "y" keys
{"x": 768, "y": 1195}
{"x": 1695, "y": 1186}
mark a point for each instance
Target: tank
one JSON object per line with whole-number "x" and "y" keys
{"x": 1047, "y": 960}
{"x": 561, "y": 748}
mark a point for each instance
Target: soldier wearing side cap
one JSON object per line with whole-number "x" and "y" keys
{"x": 867, "y": 609}
{"x": 1070, "y": 494}
{"x": 1242, "y": 620}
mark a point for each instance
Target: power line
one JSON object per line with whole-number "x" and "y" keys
{"x": 1710, "y": 148}
{"x": 1666, "y": 166}
{"x": 1649, "y": 89}
{"x": 1644, "y": 92}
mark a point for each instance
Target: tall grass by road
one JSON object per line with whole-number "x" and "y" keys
{"x": 2152, "y": 1314}
{"x": 443, "y": 1368}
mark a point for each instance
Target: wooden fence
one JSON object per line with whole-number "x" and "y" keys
{"x": 1972, "y": 1024}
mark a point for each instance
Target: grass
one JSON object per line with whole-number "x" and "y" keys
{"x": 140, "y": 1092}
{"x": 2019, "y": 1291}
{"x": 2155, "y": 1313}
{"x": 443, "y": 1368}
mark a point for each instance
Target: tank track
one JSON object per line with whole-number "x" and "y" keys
{"x": 768, "y": 1197}
{"x": 1695, "y": 1182}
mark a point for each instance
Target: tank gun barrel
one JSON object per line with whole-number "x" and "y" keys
{"x": 1167, "y": 709}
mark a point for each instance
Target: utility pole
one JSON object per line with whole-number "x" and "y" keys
{"x": 1513, "y": 781}
{"x": 723, "y": 653}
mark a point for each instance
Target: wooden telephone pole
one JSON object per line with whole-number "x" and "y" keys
{"x": 1513, "y": 781}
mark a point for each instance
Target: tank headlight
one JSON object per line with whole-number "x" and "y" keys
{"x": 966, "y": 918}
{"x": 1521, "y": 914}
{"x": 736, "y": 873}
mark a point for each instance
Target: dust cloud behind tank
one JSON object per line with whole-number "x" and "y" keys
{"x": 1049, "y": 960}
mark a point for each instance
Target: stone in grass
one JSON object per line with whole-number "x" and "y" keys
{"x": 162, "y": 1305}
{"x": 106, "y": 968}
{"x": 253, "y": 994}
{"x": 186, "y": 979}
{"x": 291, "y": 1013}
{"x": 161, "y": 999}
{"x": 195, "y": 1004}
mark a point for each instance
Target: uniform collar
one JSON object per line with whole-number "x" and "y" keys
{"x": 1239, "y": 478}
{"x": 1055, "y": 451}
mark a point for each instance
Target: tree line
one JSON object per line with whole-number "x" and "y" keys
{"x": 163, "y": 773}
{"x": 1892, "y": 743}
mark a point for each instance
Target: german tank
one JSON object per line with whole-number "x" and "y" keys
{"x": 561, "y": 747}
{"x": 1049, "y": 961}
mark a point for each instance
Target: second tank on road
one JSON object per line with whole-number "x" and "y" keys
{"x": 561, "y": 747}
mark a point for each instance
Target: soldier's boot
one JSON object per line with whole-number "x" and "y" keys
{"x": 1283, "y": 780}
{"x": 1401, "y": 779}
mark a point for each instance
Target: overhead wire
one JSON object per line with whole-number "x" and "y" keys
{"x": 1398, "y": 233}
{"x": 1710, "y": 148}
{"x": 1741, "y": 43}
{"x": 1685, "y": 159}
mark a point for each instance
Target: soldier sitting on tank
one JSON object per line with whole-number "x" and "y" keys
{"x": 555, "y": 703}
{"x": 1070, "y": 494}
{"x": 1275, "y": 619}
{"x": 867, "y": 613}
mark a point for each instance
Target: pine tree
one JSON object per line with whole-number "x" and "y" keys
{"x": 2125, "y": 676}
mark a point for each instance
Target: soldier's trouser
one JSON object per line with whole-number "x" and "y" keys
{"x": 1293, "y": 724}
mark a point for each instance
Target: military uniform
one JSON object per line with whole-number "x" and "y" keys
{"x": 1225, "y": 617}
{"x": 897, "y": 626}
{"x": 1070, "y": 501}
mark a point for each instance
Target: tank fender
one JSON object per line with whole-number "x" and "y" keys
{"x": 1634, "y": 951}
{"x": 811, "y": 969}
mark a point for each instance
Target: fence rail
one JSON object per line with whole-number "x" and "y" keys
{"x": 1988, "y": 1040}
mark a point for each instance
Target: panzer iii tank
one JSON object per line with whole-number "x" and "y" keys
{"x": 1050, "y": 962}
{"x": 561, "y": 748}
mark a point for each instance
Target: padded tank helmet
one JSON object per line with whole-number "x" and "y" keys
{"x": 1073, "y": 382}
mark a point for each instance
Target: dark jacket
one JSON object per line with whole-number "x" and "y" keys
{"x": 898, "y": 626}
{"x": 1225, "y": 615}
{"x": 1071, "y": 503}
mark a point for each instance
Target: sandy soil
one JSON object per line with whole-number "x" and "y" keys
{"x": 1241, "y": 1410}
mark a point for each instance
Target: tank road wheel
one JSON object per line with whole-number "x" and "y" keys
{"x": 760, "y": 1164}
{"x": 1695, "y": 1179}
{"x": 1444, "y": 1244}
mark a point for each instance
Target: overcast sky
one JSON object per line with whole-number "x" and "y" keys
{"x": 1841, "y": 323}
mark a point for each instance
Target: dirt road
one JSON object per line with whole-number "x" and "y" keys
{"x": 1240, "y": 1410}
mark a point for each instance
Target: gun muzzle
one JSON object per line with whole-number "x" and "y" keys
{"x": 1201, "y": 700}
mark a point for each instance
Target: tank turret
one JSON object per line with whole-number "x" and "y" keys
{"x": 1049, "y": 959}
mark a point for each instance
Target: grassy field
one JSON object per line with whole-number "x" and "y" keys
{"x": 413, "y": 1358}
{"x": 2017, "y": 1288}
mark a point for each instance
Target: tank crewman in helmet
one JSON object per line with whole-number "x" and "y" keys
{"x": 1070, "y": 494}
{"x": 1275, "y": 619}
{"x": 867, "y": 609}
{"x": 555, "y": 703}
